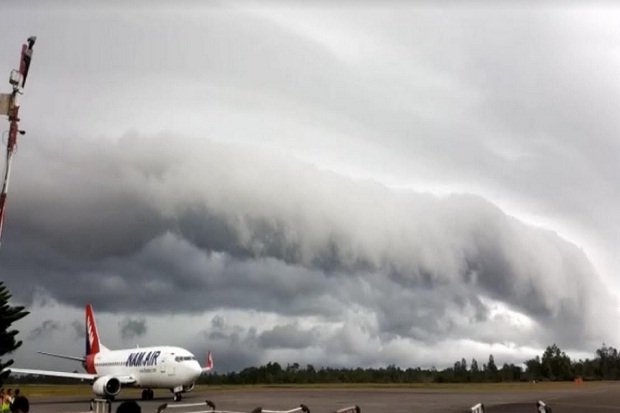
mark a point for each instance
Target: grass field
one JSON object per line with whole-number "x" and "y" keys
{"x": 38, "y": 390}
{"x": 459, "y": 387}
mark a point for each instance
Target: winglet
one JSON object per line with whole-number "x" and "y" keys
{"x": 209, "y": 365}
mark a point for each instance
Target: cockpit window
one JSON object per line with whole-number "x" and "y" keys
{"x": 179, "y": 359}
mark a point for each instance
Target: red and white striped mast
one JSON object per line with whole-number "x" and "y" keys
{"x": 9, "y": 105}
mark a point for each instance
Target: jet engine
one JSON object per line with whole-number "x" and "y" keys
{"x": 106, "y": 386}
{"x": 188, "y": 387}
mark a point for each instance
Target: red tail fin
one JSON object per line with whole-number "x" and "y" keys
{"x": 209, "y": 365}
{"x": 93, "y": 346}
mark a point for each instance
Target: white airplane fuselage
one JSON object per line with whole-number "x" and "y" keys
{"x": 157, "y": 367}
{"x": 152, "y": 367}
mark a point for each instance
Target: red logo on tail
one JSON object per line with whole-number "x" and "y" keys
{"x": 209, "y": 362}
{"x": 92, "y": 337}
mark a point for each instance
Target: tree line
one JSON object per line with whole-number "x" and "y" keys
{"x": 553, "y": 365}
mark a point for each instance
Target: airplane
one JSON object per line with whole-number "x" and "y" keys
{"x": 148, "y": 368}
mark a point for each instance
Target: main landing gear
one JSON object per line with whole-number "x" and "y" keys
{"x": 147, "y": 394}
{"x": 177, "y": 397}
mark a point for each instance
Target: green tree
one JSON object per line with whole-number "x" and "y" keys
{"x": 556, "y": 365}
{"x": 491, "y": 366}
{"x": 8, "y": 315}
{"x": 534, "y": 368}
{"x": 474, "y": 366}
{"x": 608, "y": 362}
{"x": 475, "y": 371}
{"x": 464, "y": 364}
{"x": 491, "y": 369}
{"x": 505, "y": 373}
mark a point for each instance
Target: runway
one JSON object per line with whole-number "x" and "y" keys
{"x": 599, "y": 397}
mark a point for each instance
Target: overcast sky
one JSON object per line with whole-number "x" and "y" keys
{"x": 355, "y": 185}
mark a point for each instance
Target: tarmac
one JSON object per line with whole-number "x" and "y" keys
{"x": 603, "y": 397}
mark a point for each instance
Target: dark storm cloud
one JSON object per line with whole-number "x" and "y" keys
{"x": 47, "y": 328}
{"x": 324, "y": 244}
{"x": 132, "y": 328}
{"x": 286, "y": 336}
{"x": 453, "y": 99}
{"x": 78, "y": 329}
{"x": 512, "y": 104}
{"x": 233, "y": 345}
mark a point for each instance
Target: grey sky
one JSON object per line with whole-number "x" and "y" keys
{"x": 356, "y": 185}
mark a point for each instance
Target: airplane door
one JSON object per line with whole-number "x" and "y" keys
{"x": 162, "y": 364}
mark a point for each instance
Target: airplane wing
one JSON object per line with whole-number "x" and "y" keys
{"x": 126, "y": 379}
{"x": 82, "y": 359}
{"x": 83, "y": 376}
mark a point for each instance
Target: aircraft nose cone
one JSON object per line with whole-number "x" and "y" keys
{"x": 195, "y": 368}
